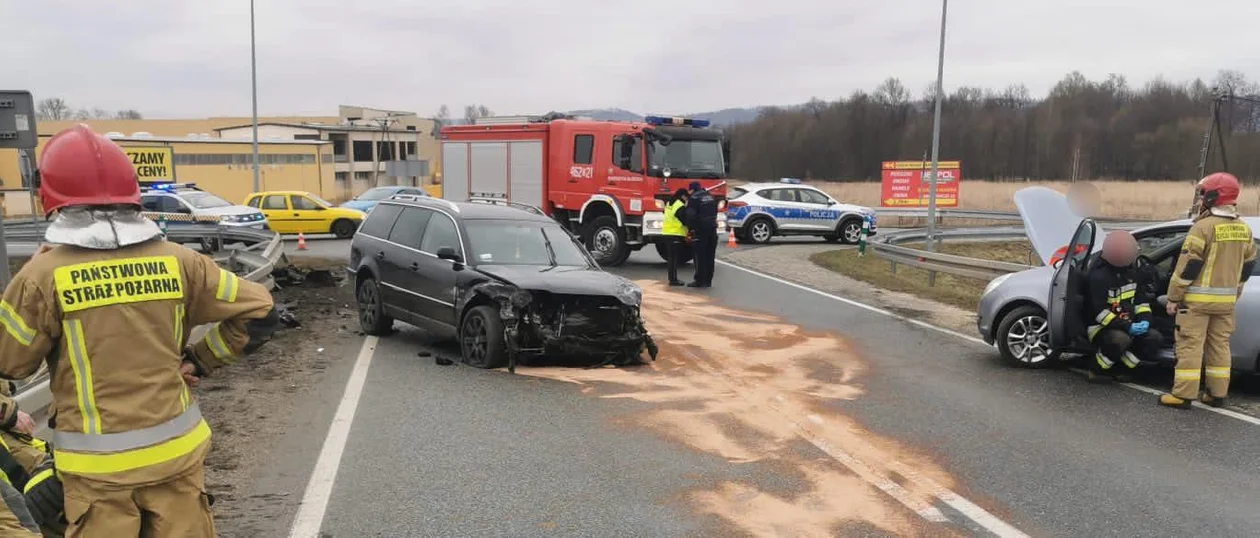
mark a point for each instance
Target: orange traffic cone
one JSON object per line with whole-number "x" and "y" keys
{"x": 301, "y": 241}
{"x": 730, "y": 238}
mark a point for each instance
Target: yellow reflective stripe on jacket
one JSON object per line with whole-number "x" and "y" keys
{"x": 228, "y": 285}
{"x": 1209, "y": 265}
{"x": 87, "y": 463}
{"x": 1093, "y": 331}
{"x": 179, "y": 327}
{"x": 1193, "y": 242}
{"x": 1143, "y": 308}
{"x": 35, "y": 480}
{"x": 1205, "y": 294}
{"x": 120, "y": 281}
{"x": 1105, "y": 317}
{"x": 76, "y": 350}
{"x": 183, "y": 394}
{"x": 15, "y": 325}
{"x": 1218, "y": 371}
{"x": 1186, "y": 373}
{"x": 217, "y": 345}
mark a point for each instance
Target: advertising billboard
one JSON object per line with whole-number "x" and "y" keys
{"x": 905, "y": 183}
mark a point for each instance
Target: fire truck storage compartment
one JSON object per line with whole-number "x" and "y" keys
{"x": 512, "y": 170}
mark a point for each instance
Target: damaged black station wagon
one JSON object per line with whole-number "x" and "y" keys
{"x": 506, "y": 281}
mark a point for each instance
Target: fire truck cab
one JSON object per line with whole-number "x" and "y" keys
{"x": 606, "y": 181}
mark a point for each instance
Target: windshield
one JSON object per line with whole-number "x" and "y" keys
{"x": 204, "y": 200}
{"x": 695, "y": 159}
{"x": 379, "y": 193}
{"x": 509, "y": 242}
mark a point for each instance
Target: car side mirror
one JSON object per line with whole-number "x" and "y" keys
{"x": 832, "y": 202}
{"x": 448, "y": 253}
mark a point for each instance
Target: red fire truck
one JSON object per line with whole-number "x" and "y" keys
{"x": 607, "y": 181}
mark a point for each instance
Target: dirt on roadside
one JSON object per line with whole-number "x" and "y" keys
{"x": 248, "y": 405}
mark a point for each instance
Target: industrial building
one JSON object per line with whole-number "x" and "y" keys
{"x": 334, "y": 157}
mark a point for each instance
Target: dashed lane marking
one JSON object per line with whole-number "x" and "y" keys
{"x": 310, "y": 516}
{"x": 1223, "y": 412}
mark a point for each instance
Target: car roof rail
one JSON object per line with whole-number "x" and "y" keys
{"x": 500, "y": 201}
{"x": 425, "y": 199}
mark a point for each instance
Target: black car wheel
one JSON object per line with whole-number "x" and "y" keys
{"x": 1023, "y": 338}
{"x": 685, "y": 256}
{"x": 607, "y": 242}
{"x": 760, "y": 230}
{"x": 372, "y": 316}
{"x": 851, "y": 231}
{"x": 481, "y": 338}
{"x": 343, "y": 228}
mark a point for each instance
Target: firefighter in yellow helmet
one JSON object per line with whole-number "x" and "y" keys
{"x": 110, "y": 308}
{"x": 1216, "y": 259}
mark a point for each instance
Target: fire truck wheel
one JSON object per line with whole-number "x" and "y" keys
{"x": 662, "y": 249}
{"x": 607, "y": 242}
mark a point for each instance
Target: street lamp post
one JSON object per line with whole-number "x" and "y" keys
{"x": 936, "y": 139}
{"x": 253, "y": 82}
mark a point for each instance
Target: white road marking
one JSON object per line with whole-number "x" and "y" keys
{"x": 310, "y": 516}
{"x": 1223, "y": 412}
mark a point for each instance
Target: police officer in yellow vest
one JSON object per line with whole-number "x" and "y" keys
{"x": 1216, "y": 259}
{"x": 110, "y": 308}
{"x": 675, "y": 233}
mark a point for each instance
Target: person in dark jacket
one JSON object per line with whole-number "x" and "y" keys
{"x": 701, "y": 220}
{"x": 1120, "y": 306}
{"x": 675, "y": 232}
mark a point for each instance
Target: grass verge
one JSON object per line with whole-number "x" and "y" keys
{"x": 958, "y": 291}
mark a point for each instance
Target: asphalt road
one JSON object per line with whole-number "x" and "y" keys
{"x": 454, "y": 451}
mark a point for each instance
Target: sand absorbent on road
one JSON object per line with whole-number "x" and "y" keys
{"x": 754, "y": 390}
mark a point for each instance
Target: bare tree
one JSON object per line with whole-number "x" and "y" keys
{"x": 53, "y": 109}
{"x": 128, "y": 114}
{"x": 472, "y": 112}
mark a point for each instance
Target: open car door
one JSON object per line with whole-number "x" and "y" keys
{"x": 1067, "y": 290}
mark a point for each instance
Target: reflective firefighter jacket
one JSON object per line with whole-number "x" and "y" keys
{"x": 113, "y": 326}
{"x": 1215, "y": 260}
{"x": 1117, "y": 297}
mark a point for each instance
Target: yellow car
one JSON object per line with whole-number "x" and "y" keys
{"x": 290, "y": 212}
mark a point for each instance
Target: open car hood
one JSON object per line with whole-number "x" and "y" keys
{"x": 1049, "y": 221}
{"x": 562, "y": 279}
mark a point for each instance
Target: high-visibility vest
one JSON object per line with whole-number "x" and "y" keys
{"x": 672, "y": 225}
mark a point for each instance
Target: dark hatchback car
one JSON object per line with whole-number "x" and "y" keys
{"x": 506, "y": 282}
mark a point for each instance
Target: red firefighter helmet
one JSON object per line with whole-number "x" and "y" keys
{"x": 1218, "y": 189}
{"x": 80, "y": 167}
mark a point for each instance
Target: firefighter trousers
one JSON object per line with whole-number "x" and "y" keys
{"x": 1202, "y": 349}
{"x": 1117, "y": 347}
{"x": 175, "y": 507}
{"x": 15, "y": 518}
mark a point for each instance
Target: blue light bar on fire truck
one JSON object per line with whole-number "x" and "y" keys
{"x": 673, "y": 120}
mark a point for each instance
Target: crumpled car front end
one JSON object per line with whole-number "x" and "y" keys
{"x": 586, "y": 328}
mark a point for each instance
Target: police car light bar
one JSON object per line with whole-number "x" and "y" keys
{"x": 673, "y": 120}
{"x": 169, "y": 186}
{"x": 790, "y": 180}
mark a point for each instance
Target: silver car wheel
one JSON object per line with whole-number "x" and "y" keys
{"x": 760, "y": 232}
{"x": 1029, "y": 339}
{"x": 852, "y": 232}
{"x": 605, "y": 240}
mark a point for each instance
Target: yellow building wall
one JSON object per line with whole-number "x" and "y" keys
{"x": 233, "y": 182}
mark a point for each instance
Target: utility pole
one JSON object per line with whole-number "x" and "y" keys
{"x": 936, "y": 141}
{"x": 253, "y": 82}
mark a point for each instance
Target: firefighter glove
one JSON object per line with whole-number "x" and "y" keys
{"x": 45, "y": 497}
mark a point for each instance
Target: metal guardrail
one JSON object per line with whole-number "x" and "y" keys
{"x": 889, "y": 247}
{"x": 972, "y": 214}
{"x": 250, "y": 253}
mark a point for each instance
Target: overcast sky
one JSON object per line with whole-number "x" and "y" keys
{"x": 185, "y": 58}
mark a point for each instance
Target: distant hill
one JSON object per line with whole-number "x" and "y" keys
{"x": 727, "y": 116}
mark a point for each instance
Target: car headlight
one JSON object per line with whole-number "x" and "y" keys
{"x": 629, "y": 293}
{"x": 993, "y": 284}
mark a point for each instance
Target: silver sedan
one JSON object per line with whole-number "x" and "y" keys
{"x": 1030, "y": 328}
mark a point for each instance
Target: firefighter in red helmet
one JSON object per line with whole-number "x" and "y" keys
{"x": 1216, "y": 259}
{"x": 110, "y": 307}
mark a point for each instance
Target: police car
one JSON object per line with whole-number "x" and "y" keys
{"x": 187, "y": 199}
{"x": 759, "y": 211}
